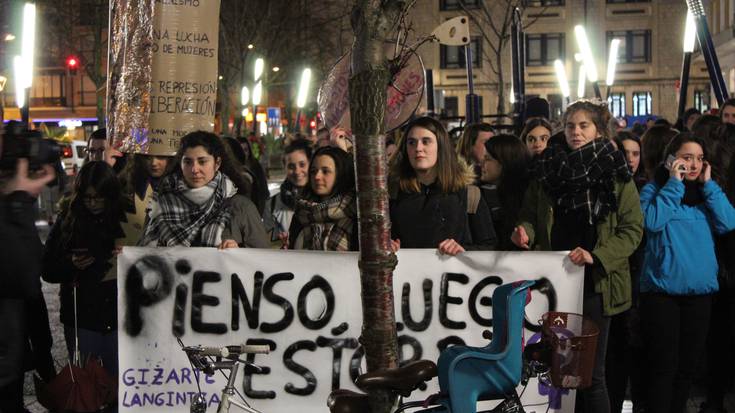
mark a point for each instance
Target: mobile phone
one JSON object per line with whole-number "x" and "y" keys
{"x": 670, "y": 161}
{"x": 80, "y": 250}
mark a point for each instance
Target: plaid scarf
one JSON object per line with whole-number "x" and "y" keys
{"x": 583, "y": 180}
{"x": 182, "y": 222}
{"x": 328, "y": 225}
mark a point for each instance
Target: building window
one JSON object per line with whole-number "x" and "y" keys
{"x": 642, "y": 103}
{"x": 453, "y": 57}
{"x": 701, "y": 100}
{"x": 635, "y": 45}
{"x": 451, "y": 106}
{"x": 542, "y": 3}
{"x": 543, "y": 49}
{"x": 445, "y": 5}
{"x": 616, "y": 104}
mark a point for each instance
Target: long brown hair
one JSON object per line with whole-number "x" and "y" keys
{"x": 452, "y": 174}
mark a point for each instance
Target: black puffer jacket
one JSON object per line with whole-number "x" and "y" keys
{"x": 426, "y": 218}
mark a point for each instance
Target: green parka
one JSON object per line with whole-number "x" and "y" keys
{"x": 618, "y": 235}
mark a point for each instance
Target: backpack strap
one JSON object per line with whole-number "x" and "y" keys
{"x": 473, "y": 198}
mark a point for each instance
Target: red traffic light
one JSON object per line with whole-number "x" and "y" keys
{"x": 72, "y": 62}
{"x": 312, "y": 124}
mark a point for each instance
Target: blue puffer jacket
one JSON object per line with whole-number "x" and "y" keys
{"x": 680, "y": 253}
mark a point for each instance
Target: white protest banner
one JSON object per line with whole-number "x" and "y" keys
{"x": 307, "y": 307}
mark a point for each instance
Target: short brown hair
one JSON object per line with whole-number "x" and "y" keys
{"x": 598, "y": 113}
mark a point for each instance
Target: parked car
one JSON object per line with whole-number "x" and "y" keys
{"x": 72, "y": 156}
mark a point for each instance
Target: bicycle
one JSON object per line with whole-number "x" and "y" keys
{"x": 208, "y": 360}
{"x": 560, "y": 359}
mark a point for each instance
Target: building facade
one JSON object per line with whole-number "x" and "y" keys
{"x": 721, "y": 22}
{"x": 647, "y": 75}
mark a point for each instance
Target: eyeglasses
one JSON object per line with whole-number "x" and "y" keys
{"x": 93, "y": 198}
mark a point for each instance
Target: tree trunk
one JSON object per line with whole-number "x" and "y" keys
{"x": 371, "y": 21}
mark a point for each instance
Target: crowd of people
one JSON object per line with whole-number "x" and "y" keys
{"x": 647, "y": 212}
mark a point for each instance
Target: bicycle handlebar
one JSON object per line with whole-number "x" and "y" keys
{"x": 229, "y": 351}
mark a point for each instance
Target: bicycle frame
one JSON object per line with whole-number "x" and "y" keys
{"x": 229, "y": 391}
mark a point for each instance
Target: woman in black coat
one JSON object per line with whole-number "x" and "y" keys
{"x": 80, "y": 251}
{"x": 432, "y": 204}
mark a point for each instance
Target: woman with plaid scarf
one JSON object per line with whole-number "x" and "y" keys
{"x": 326, "y": 216}
{"x": 202, "y": 204}
{"x": 584, "y": 200}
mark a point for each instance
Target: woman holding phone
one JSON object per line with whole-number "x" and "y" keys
{"x": 682, "y": 208}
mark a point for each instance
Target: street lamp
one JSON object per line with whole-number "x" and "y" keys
{"x": 612, "y": 61}
{"x": 582, "y": 81}
{"x": 589, "y": 60}
{"x": 244, "y": 96}
{"x": 690, "y": 35}
{"x": 23, "y": 64}
{"x": 303, "y": 93}
{"x": 257, "y": 90}
{"x": 561, "y": 77}
{"x": 708, "y": 50}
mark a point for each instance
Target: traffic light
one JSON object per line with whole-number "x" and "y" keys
{"x": 72, "y": 63}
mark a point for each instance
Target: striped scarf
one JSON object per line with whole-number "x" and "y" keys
{"x": 328, "y": 225}
{"x": 182, "y": 222}
{"x": 583, "y": 180}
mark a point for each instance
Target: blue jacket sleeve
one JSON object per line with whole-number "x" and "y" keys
{"x": 722, "y": 214}
{"x": 660, "y": 205}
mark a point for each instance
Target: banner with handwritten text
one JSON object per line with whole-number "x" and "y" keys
{"x": 307, "y": 307}
{"x": 184, "y": 80}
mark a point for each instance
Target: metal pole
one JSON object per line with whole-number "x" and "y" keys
{"x": 472, "y": 101}
{"x": 25, "y": 111}
{"x": 708, "y": 51}
{"x": 255, "y": 120}
{"x": 298, "y": 120}
{"x": 517, "y": 63}
{"x": 596, "y": 88}
{"x": 430, "y": 91}
{"x": 684, "y": 83}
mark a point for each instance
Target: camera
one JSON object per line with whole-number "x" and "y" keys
{"x": 19, "y": 142}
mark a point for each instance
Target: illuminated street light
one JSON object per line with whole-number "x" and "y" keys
{"x": 9, "y": 37}
{"x": 690, "y": 33}
{"x": 561, "y": 77}
{"x": 28, "y": 41}
{"x": 303, "y": 88}
{"x": 276, "y": 68}
{"x": 250, "y": 46}
{"x": 582, "y": 81}
{"x": 584, "y": 48}
{"x": 258, "y": 70}
{"x": 612, "y": 61}
{"x": 244, "y": 96}
{"x": 257, "y": 93}
{"x": 690, "y": 36}
{"x": 20, "y": 90}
